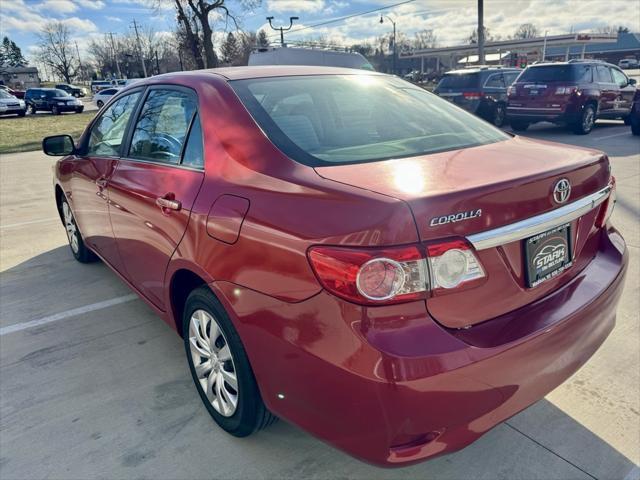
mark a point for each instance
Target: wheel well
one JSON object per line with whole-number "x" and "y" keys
{"x": 182, "y": 284}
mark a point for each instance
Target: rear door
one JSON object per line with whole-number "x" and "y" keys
{"x": 155, "y": 185}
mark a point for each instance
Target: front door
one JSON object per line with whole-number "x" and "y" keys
{"x": 626, "y": 92}
{"x": 155, "y": 186}
{"x": 608, "y": 91}
{"x": 92, "y": 171}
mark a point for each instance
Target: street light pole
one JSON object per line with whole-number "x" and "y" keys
{"x": 480, "y": 32}
{"x": 395, "y": 45}
{"x": 282, "y": 29}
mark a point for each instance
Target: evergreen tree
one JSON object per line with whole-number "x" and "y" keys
{"x": 263, "y": 40}
{"x": 10, "y": 54}
{"x": 230, "y": 50}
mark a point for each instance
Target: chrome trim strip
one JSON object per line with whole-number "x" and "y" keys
{"x": 551, "y": 109}
{"x": 538, "y": 224}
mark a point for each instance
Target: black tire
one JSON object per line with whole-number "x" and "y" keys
{"x": 499, "y": 115}
{"x": 635, "y": 126}
{"x": 79, "y": 110}
{"x": 627, "y": 120}
{"x": 100, "y": 104}
{"x": 55, "y": 110}
{"x": 519, "y": 125}
{"x": 251, "y": 414}
{"x": 81, "y": 253}
{"x": 586, "y": 122}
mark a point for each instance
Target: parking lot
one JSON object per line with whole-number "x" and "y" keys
{"x": 94, "y": 385}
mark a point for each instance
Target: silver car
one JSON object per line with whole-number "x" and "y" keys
{"x": 10, "y": 105}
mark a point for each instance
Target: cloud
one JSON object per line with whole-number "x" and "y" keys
{"x": 91, "y": 4}
{"x": 294, "y": 6}
{"x": 57, "y": 6}
{"x": 113, "y": 19}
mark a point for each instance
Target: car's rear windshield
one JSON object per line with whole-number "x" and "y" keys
{"x": 337, "y": 119}
{"x": 553, "y": 73}
{"x": 459, "y": 80}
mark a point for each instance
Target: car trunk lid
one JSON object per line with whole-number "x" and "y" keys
{"x": 461, "y": 193}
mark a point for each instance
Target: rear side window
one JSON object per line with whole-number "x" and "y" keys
{"x": 162, "y": 126}
{"x": 193, "y": 153}
{"x": 604, "y": 74}
{"x": 509, "y": 78}
{"x": 583, "y": 73}
{"x": 108, "y": 131}
{"x": 495, "y": 81}
{"x": 459, "y": 80}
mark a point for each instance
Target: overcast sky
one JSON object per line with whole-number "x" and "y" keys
{"x": 451, "y": 20}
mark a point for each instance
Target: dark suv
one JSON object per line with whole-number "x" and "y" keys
{"x": 51, "y": 100}
{"x": 481, "y": 90}
{"x": 575, "y": 93}
{"x": 72, "y": 89}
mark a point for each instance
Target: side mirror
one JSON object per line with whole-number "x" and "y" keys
{"x": 632, "y": 81}
{"x": 58, "y": 145}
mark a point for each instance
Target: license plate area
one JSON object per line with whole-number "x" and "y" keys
{"x": 548, "y": 254}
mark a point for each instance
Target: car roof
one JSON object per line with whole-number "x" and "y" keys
{"x": 259, "y": 71}
{"x": 483, "y": 69}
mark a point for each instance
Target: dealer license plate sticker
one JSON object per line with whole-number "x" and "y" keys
{"x": 548, "y": 254}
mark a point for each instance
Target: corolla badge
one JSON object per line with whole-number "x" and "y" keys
{"x": 562, "y": 191}
{"x": 455, "y": 217}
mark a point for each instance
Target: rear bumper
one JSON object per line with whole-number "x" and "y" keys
{"x": 533, "y": 115}
{"x": 391, "y": 386}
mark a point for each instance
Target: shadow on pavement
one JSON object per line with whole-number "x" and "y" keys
{"x": 110, "y": 396}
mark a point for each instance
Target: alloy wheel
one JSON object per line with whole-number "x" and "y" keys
{"x": 213, "y": 363}
{"x": 588, "y": 119}
{"x": 498, "y": 119}
{"x": 72, "y": 229}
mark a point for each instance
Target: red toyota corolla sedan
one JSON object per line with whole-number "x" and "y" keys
{"x": 347, "y": 251}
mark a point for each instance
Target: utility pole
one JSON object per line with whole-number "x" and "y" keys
{"x": 395, "y": 47}
{"x": 115, "y": 54}
{"x": 144, "y": 68}
{"x": 79, "y": 61}
{"x": 480, "y": 33}
{"x": 282, "y": 29}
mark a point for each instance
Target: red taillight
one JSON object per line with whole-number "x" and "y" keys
{"x": 394, "y": 275}
{"x": 473, "y": 95}
{"x": 606, "y": 209}
{"x": 371, "y": 276}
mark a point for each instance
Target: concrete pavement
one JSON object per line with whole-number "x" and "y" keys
{"x": 105, "y": 393}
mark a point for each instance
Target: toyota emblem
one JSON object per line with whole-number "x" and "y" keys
{"x": 562, "y": 191}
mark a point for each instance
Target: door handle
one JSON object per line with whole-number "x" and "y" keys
{"x": 168, "y": 204}
{"x": 102, "y": 182}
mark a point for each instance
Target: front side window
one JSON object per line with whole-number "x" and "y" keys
{"x": 619, "y": 78}
{"x": 337, "y": 119}
{"x": 108, "y": 131}
{"x": 162, "y": 126}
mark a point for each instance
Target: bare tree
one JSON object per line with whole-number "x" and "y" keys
{"x": 613, "y": 29}
{"x": 55, "y": 50}
{"x": 526, "y": 30}
{"x": 424, "y": 39}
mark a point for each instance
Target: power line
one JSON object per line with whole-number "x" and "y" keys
{"x": 339, "y": 19}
